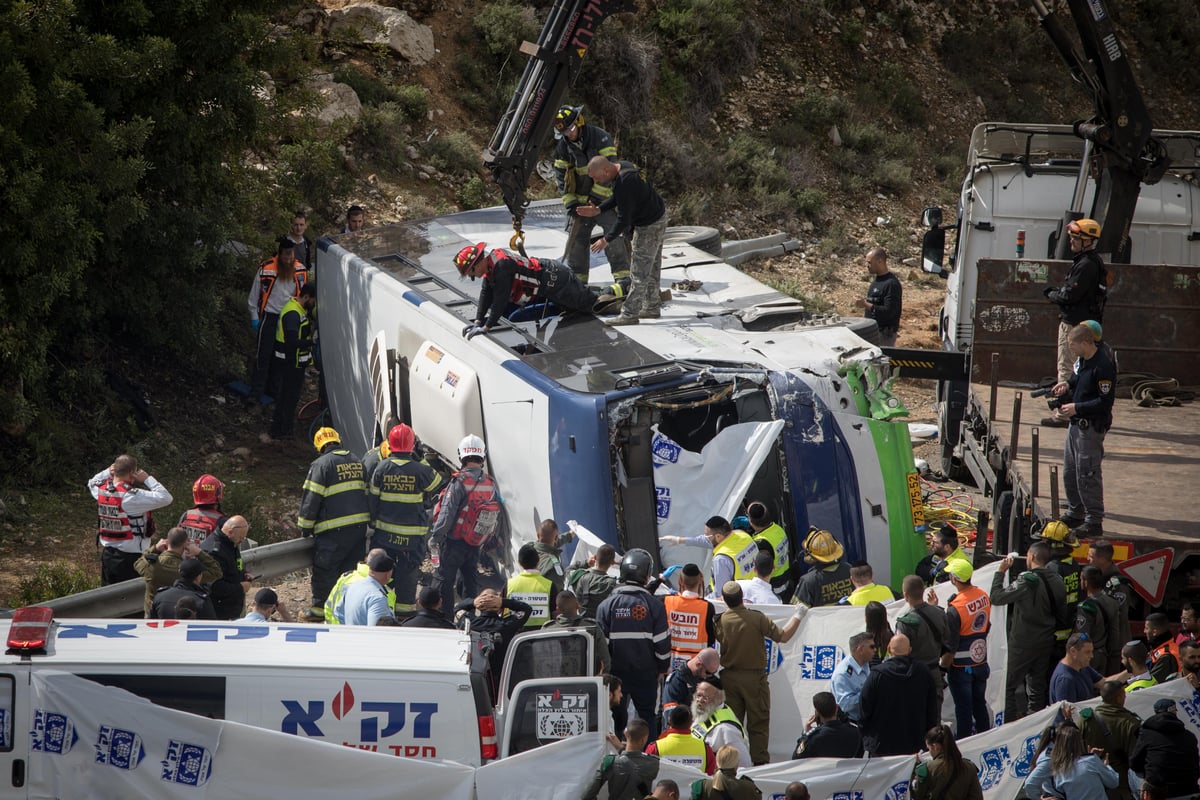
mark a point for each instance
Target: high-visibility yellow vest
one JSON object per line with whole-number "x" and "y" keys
{"x": 682, "y": 748}
{"x": 777, "y": 538}
{"x": 872, "y": 591}
{"x": 532, "y": 588}
{"x": 742, "y": 549}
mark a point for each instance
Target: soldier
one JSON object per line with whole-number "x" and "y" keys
{"x": 1098, "y": 617}
{"x": 549, "y": 547}
{"x": 925, "y": 626}
{"x": 1116, "y": 585}
{"x": 1114, "y": 729}
{"x": 828, "y": 581}
{"x": 333, "y": 510}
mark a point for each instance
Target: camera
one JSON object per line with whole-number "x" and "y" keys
{"x": 1054, "y": 403}
{"x": 1042, "y": 392}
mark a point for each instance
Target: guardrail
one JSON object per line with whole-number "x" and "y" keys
{"x": 125, "y": 599}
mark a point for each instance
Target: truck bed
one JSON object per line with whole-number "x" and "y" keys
{"x": 1151, "y": 466}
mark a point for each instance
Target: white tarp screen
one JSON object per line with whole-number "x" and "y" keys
{"x": 100, "y": 742}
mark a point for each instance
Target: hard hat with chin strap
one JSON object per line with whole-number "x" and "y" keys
{"x": 325, "y": 436}
{"x": 471, "y": 447}
{"x": 207, "y": 490}
{"x": 1084, "y": 228}
{"x": 821, "y": 548}
{"x": 467, "y": 257}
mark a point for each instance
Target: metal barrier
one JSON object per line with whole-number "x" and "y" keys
{"x": 125, "y": 599}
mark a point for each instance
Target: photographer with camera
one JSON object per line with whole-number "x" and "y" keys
{"x": 1093, "y": 388}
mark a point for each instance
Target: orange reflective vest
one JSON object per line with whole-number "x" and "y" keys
{"x": 114, "y": 522}
{"x": 268, "y": 272}
{"x": 974, "y": 609}
{"x": 1169, "y": 647}
{"x": 687, "y": 619}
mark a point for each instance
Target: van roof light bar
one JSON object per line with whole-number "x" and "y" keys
{"x": 29, "y": 630}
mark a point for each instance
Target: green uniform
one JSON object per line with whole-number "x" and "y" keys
{"x": 1115, "y": 728}
{"x": 741, "y": 632}
{"x": 550, "y": 559}
{"x": 1039, "y": 608}
{"x": 1099, "y": 617}
{"x": 934, "y": 781}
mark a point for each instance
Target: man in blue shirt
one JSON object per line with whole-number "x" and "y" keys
{"x": 851, "y": 673}
{"x": 365, "y": 601}
{"x": 1074, "y": 680}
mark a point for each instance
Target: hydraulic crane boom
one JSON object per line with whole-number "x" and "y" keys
{"x": 1124, "y": 153}
{"x": 554, "y": 62}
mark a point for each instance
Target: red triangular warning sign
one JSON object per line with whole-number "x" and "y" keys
{"x": 1148, "y": 573}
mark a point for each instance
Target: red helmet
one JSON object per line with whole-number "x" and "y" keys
{"x": 401, "y": 439}
{"x": 467, "y": 257}
{"x": 207, "y": 490}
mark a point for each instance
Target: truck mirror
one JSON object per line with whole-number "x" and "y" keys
{"x": 931, "y": 217}
{"x": 933, "y": 250}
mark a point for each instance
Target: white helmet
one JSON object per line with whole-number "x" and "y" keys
{"x": 471, "y": 447}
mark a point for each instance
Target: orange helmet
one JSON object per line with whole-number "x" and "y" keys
{"x": 467, "y": 257}
{"x": 1084, "y": 228}
{"x": 207, "y": 490}
{"x": 401, "y": 439}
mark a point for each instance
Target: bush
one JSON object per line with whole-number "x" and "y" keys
{"x": 453, "y": 153}
{"x": 56, "y": 579}
{"x": 853, "y": 31}
{"x": 503, "y": 25}
{"x": 413, "y": 101}
{"x": 473, "y": 194}
{"x": 810, "y": 202}
{"x": 381, "y": 135}
{"x": 619, "y": 77}
{"x": 707, "y": 41}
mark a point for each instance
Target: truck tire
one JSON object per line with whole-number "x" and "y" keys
{"x": 867, "y": 329}
{"x": 698, "y": 236}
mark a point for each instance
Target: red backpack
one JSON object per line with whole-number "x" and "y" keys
{"x": 479, "y": 518}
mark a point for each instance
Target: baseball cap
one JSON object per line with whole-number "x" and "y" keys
{"x": 960, "y": 569}
{"x": 1164, "y": 705}
{"x": 381, "y": 563}
{"x": 190, "y": 569}
{"x": 266, "y": 597}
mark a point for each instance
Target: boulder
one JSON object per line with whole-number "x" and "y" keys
{"x": 335, "y": 100}
{"x": 378, "y": 24}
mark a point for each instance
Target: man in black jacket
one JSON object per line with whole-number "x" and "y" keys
{"x": 899, "y": 703}
{"x": 229, "y": 591}
{"x": 188, "y": 585}
{"x": 429, "y": 611}
{"x": 491, "y": 628}
{"x": 1165, "y": 753}
{"x": 828, "y": 736}
{"x": 1080, "y": 298}
{"x": 884, "y": 300}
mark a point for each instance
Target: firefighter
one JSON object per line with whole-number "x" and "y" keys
{"x": 277, "y": 279}
{"x": 1062, "y": 563}
{"x": 510, "y": 278}
{"x": 333, "y": 509}
{"x": 206, "y": 515}
{"x": 293, "y": 353}
{"x": 468, "y": 515}
{"x": 828, "y": 581}
{"x": 399, "y": 488}
{"x": 125, "y": 497}
{"x": 577, "y": 143}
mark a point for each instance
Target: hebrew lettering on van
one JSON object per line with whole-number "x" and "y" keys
{"x": 561, "y": 715}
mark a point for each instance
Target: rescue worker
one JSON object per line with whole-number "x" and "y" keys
{"x": 968, "y": 622}
{"x": 1081, "y": 297}
{"x": 206, "y": 515}
{"x": 549, "y": 547}
{"x": 884, "y": 301}
{"x": 691, "y": 618}
{"x": 681, "y": 684}
{"x": 733, "y": 552}
{"x": 569, "y": 617}
{"x": 278, "y": 278}
{"x": 228, "y": 592}
{"x": 159, "y": 565}
{"x": 365, "y": 601}
{"x": 772, "y": 538}
{"x": 741, "y": 631}
{"x": 630, "y": 773}
{"x": 1164, "y": 652}
{"x": 1114, "y": 729}
{"x": 333, "y": 510}
{"x": 125, "y": 497}
{"x": 1093, "y": 388}
{"x": 1135, "y": 658}
{"x": 293, "y": 353}
{"x": 591, "y": 581}
{"x": 714, "y": 723}
{"x": 1116, "y": 585}
{"x": 186, "y": 585}
{"x": 677, "y": 745}
{"x": 360, "y": 571}
{"x": 1098, "y": 616}
{"x": 925, "y": 626}
{"x": 862, "y": 576}
{"x": 635, "y": 622}
{"x": 944, "y": 547}
{"x": 399, "y": 488}
{"x": 1039, "y": 607}
{"x": 510, "y": 278}
{"x": 379, "y": 452}
{"x": 577, "y": 143}
{"x": 828, "y": 579}
{"x": 1062, "y": 543}
{"x": 532, "y": 587}
{"x": 641, "y": 211}
{"x": 725, "y": 783}
{"x": 467, "y": 516}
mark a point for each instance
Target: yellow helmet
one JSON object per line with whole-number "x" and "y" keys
{"x": 821, "y": 548}
{"x": 1056, "y": 532}
{"x": 1086, "y": 228}
{"x": 325, "y": 436}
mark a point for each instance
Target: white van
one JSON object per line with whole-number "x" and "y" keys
{"x": 410, "y": 692}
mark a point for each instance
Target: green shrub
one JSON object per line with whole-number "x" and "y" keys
{"x": 817, "y": 111}
{"x": 453, "y": 153}
{"x": 706, "y": 41}
{"x": 473, "y": 194}
{"x": 413, "y": 100}
{"x": 503, "y": 25}
{"x": 853, "y": 31}
{"x": 810, "y": 202}
{"x": 56, "y": 579}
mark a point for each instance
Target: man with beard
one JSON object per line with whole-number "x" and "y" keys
{"x": 713, "y": 722}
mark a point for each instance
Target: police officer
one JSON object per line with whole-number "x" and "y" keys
{"x": 509, "y": 278}
{"x": 1116, "y": 586}
{"x": 635, "y": 622}
{"x": 1081, "y": 297}
{"x": 1090, "y": 412}
{"x": 399, "y": 489}
{"x": 293, "y": 353}
{"x": 125, "y": 497}
{"x": 333, "y": 508}
{"x": 884, "y": 300}
{"x": 206, "y": 515}
{"x": 771, "y": 537}
{"x": 532, "y": 587}
{"x": 1062, "y": 544}
{"x": 1039, "y": 607}
{"x": 576, "y": 144}
{"x": 1099, "y": 617}
{"x": 468, "y": 515}
{"x": 828, "y": 581}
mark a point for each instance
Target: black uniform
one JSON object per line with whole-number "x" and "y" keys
{"x": 333, "y": 508}
{"x": 228, "y": 596}
{"x": 1082, "y": 295}
{"x": 166, "y": 599}
{"x": 824, "y": 585}
{"x": 1094, "y": 385}
{"x": 832, "y": 739}
{"x": 886, "y": 299}
{"x": 512, "y": 279}
{"x": 491, "y": 632}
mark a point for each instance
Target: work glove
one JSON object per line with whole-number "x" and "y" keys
{"x": 475, "y": 331}
{"x": 470, "y": 326}
{"x": 671, "y": 570}
{"x": 254, "y": 323}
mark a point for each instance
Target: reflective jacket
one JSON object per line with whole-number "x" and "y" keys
{"x": 635, "y": 623}
{"x": 535, "y": 589}
{"x": 201, "y": 522}
{"x": 778, "y": 539}
{"x": 680, "y": 747}
{"x": 294, "y": 349}
{"x": 268, "y": 273}
{"x": 125, "y": 518}
{"x": 872, "y": 591}
{"x": 507, "y": 278}
{"x": 723, "y": 714}
{"x": 338, "y": 592}
{"x": 741, "y": 549}
{"x": 690, "y": 621}
{"x": 570, "y": 166}
{"x": 334, "y": 496}
{"x": 399, "y": 488}
{"x": 969, "y": 617}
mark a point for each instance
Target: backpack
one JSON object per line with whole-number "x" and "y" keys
{"x": 479, "y": 518}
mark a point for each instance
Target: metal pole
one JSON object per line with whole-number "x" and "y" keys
{"x": 1016, "y": 428}
{"x": 993, "y": 379}
{"x": 1033, "y": 461}
{"x": 981, "y": 526}
{"x": 1054, "y": 492}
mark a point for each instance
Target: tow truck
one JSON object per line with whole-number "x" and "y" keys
{"x": 1141, "y": 184}
{"x": 583, "y": 420}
